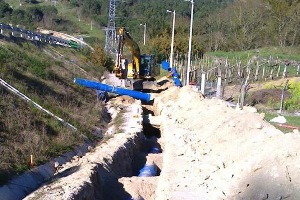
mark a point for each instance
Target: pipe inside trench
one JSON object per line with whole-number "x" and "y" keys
{"x": 135, "y": 169}
{"x": 113, "y": 169}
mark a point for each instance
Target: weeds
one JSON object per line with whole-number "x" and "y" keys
{"x": 24, "y": 129}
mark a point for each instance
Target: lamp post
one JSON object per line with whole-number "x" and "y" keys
{"x": 144, "y": 32}
{"x": 172, "y": 42}
{"x": 190, "y": 44}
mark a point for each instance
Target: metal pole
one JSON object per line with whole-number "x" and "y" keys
{"x": 144, "y": 32}
{"x": 190, "y": 45}
{"x": 172, "y": 41}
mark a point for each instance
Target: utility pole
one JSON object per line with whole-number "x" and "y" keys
{"x": 190, "y": 44}
{"x": 144, "y": 32}
{"x": 172, "y": 41}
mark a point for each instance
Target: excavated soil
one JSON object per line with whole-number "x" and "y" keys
{"x": 209, "y": 150}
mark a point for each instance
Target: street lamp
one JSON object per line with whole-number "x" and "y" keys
{"x": 172, "y": 42}
{"x": 190, "y": 44}
{"x": 144, "y": 32}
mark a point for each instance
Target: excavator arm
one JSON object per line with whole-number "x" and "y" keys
{"x": 140, "y": 67}
{"x": 134, "y": 67}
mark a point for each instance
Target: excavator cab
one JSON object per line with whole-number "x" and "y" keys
{"x": 148, "y": 67}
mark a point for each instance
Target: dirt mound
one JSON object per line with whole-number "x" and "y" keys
{"x": 212, "y": 151}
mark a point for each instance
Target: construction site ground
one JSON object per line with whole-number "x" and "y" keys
{"x": 209, "y": 150}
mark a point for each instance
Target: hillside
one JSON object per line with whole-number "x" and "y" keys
{"x": 44, "y": 74}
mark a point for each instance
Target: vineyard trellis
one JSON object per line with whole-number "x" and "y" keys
{"x": 212, "y": 75}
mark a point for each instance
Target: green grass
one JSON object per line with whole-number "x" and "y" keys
{"x": 26, "y": 130}
{"x": 71, "y": 14}
{"x": 291, "y": 120}
{"x": 288, "y": 53}
{"x": 68, "y": 13}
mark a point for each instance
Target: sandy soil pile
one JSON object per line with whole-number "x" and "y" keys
{"x": 213, "y": 151}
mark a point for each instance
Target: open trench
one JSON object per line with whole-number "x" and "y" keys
{"x": 144, "y": 163}
{"x": 125, "y": 166}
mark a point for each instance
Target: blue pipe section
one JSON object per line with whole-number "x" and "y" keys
{"x": 112, "y": 89}
{"x": 166, "y": 66}
{"x": 148, "y": 170}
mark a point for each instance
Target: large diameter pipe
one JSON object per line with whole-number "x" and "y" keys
{"x": 117, "y": 90}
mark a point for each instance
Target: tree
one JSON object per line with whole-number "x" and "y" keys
{"x": 101, "y": 59}
{"x": 281, "y": 12}
{"x": 5, "y": 10}
{"x": 49, "y": 16}
{"x": 35, "y": 14}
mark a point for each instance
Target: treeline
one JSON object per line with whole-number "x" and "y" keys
{"x": 252, "y": 24}
{"x": 218, "y": 25}
{"x": 32, "y": 15}
{"x": 226, "y": 25}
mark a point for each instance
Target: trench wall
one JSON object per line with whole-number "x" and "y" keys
{"x": 96, "y": 174}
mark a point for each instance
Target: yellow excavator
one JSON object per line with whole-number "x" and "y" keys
{"x": 140, "y": 66}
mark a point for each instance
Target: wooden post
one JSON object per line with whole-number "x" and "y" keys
{"x": 239, "y": 69}
{"x": 284, "y": 72}
{"x": 230, "y": 74}
{"x": 244, "y": 90}
{"x": 278, "y": 71}
{"x": 219, "y": 80}
{"x": 271, "y": 73}
{"x": 256, "y": 71}
{"x": 282, "y": 95}
{"x": 203, "y": 83}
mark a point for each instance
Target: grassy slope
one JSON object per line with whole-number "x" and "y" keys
{"x": 288, "y": 53}
{"x": 291, "y": 120}
{"x": 47, "y": 78}
{"x": 68, "y": 13}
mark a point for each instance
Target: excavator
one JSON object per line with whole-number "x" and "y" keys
{"x": 140, "y": 67}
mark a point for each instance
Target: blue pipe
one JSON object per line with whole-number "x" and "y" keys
{"x": 112, "y": 89}
{"x": 148, "y": 170}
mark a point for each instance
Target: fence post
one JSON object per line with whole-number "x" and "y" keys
{"x": 278, "y": 71}
{"x": 244, "y": 90}
{"x": 219, "y": 80}
{"x": 282, "y": 96}
{"x": 203, "y": 83}
{"x": 284, "y": 71}
{"x": 298, "y": 67}
{"x": 263, "y": 72}
{"x": 239, "y": 70}
{"x": 271, "y": 73}
{"x": 256, "y": 71}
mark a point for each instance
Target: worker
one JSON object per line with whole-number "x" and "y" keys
{"x": 172, "y": 72}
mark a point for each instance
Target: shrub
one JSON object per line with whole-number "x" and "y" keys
{"x": 293, "y": 102}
